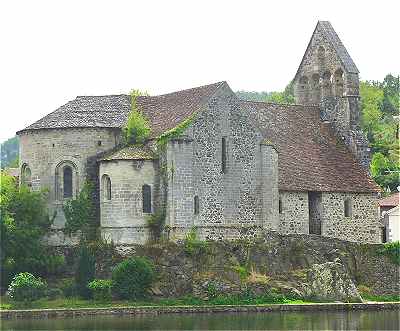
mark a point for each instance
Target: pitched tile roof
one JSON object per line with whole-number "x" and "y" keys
{"x": 311, "y": 158}
{"x": 390, "y": 201}
{"x": 166, "y": 111}
{"x": 133, "y": 152}
{"x": 111, "y": 111}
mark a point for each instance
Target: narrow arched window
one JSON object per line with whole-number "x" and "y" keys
{"x": 146, "y": 195}
{"x": 196, "y": 204}
{"x": 339, "y": 82}
{"x": 223, "y": 155}
{"x": 348, "y": 208}
{"x": 26, "y": 175}
{"x": 304, "y": 82}
{"x": 321, "y": 53}
{"x": 67, "y": 182}
{"x": 280, "y": 206}
{"x": 106, "y": 187}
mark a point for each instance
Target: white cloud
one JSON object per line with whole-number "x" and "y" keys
{"x": 52, "y": 51}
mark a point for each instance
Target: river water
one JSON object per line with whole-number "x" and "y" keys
{"x": 353, "y": 320}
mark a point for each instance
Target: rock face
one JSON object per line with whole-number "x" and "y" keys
{"x": 330, "y": 281}
{"x": 298, "y": 266}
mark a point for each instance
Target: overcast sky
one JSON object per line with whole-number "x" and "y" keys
{"x": 52, "y": 51}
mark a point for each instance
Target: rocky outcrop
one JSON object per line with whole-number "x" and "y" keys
{"x": 330, "y": 281}
{"x": 298, "y": 266}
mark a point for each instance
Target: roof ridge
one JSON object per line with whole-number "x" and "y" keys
{"x": 280, "y": 104}
{"x": 217, "y": 84}
{"x": 102, "y": 95}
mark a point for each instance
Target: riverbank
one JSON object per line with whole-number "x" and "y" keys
{"x": 140, "y": 310}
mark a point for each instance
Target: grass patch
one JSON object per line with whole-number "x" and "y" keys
{"x": 75, "y": 302}
{"x": 392, "y": 250}
{"x": 381, "y": 298}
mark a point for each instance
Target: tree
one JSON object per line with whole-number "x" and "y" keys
{"x": 391, "y": 95}
{"x": 80, "y": 213}
{"x": 9, "y": 152}
{"x": 23, "y": 223}
{"x": 252, "y": 95}
{"x": 85, "y": 271}
{"x": 287, "y": 96}
{"x": 379, "y": 103}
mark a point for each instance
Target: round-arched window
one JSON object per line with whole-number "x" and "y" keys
{"x": 67, "y": 182}
{"x": 26, "y": 175}
{"x": 106, "y": 187}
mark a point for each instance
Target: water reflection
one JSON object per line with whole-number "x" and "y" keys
{"x": 353, "y": 320}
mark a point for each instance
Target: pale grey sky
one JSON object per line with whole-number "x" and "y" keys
{"x": 52, "y": 51}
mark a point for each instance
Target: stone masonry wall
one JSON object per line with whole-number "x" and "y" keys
{"x": 179, "y": 170}
{"x": 44, "y": 151}
{"x": 294, "y": 214}
{"x": 362, "y": 226}
{"x": 122, "y": 217}
{"x": 226, "y": 199}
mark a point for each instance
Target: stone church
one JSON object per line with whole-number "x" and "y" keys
{"x": 238, "y": 168}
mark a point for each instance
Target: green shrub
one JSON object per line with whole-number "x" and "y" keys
{"x": 137, "y": 129}
{"x": 193, "y": 246}
{"x": 101, "y": 289}
{"x": 212, "y": 290}
{"x": 26, "y": 287}
{"x": 392, "y": 250}
{"x": 54, "y": 293}
{"x": 133, "y": 277}
{"x": 54, "y": 264}
{"x": 84, "y": 272}
{"x": 68, "y": 288}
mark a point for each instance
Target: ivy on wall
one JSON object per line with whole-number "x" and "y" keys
{"x": 175, "y": 132}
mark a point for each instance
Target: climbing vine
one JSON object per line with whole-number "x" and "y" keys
{"x": 156, "y": 224}
{"x": 175, "y": 132}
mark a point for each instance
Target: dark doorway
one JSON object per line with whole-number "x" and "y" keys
{"x": 384, "y": 234}
{"x": 315, "y": 212}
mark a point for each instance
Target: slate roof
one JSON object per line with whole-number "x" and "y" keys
{"x": 311, "y": 158}
{"x": 390, "y": 201}
{"x": 111, "y": 111}
{"x": 130, "y": 153}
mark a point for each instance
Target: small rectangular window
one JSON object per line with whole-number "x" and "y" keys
{"x": 146, "y": 198}
{"x": 196, "y": 205}
{"x": 280, "y": 206}
{"x": 223, "y": 156}
{"x": 99, "y": 143}
{"x": 347, "y": 208}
